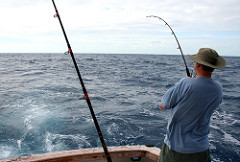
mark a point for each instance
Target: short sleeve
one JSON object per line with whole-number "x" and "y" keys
{"x": 172, "y": 96}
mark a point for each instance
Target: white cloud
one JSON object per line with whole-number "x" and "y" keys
{"x": 119, "y": 26}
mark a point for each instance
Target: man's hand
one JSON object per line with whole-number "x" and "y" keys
{"x": 161, "y": 107}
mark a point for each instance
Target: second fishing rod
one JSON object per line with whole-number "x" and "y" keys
{"x": 83, "y": 87}
{"x": 179, "y": 47}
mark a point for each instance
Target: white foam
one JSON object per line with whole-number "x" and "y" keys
{"x": 35, "y": 115}
{"x": 230, "y": 138}
{"x": 227, "y": 137}
{"x": 224, "y": 117}
{"x": 113, "y": 128}
{"x": 5, "y": 152}
{"x": 19, "y": 142}
{"x": 27, "y": 122}
{"x": 55, "y": 142}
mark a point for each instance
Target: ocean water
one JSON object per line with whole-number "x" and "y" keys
{"x": 41, "y": 110}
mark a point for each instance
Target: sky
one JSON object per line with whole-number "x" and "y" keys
{"x": 120, "y": 26}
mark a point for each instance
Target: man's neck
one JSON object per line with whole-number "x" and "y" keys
{"x": 204, "y": 74}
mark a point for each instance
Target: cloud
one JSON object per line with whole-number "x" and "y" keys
{"x": 119, "y": 26}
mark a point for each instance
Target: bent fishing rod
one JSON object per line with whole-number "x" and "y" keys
{"x": 179, "y": 47}
{"x": 83, "y": 87}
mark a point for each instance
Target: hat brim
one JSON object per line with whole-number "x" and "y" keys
{"x": 221, "y": 63}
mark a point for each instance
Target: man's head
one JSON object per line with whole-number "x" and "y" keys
{"x": 209, "y": 58}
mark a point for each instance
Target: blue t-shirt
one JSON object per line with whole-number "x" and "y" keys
{"x": 192, "y": 101}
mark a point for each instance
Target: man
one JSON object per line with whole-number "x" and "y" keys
{"x": 192, "y": 102}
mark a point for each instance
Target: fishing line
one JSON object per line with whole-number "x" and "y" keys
{"x": 179, "y": 47}
{"x": 83, "y": 87}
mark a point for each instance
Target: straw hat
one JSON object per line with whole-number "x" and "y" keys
{"x": 208, "y": 57}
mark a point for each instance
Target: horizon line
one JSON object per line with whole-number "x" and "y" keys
{"x": 94, "y": 53}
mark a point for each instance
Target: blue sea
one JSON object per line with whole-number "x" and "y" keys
{"x": 41, "y": 109}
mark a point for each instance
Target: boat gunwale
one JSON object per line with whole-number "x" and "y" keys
{"x": 93, "y": 154}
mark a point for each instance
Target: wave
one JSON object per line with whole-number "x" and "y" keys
{"x": 59, "y": 142}
{"x": 41, "y": 111}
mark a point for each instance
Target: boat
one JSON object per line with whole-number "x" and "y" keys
{"x": 141, "y": 153}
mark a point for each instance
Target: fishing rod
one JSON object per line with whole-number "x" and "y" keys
{"x": 83, "y": 87}
{"x": 179, "y": 47}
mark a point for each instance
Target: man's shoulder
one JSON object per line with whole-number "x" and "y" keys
{"x": 203, "y": 83}
{"x": 186, "y": 81}
{"x": 184, "y": 84}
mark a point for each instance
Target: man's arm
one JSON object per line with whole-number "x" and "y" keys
{"x": 161, "y": 107}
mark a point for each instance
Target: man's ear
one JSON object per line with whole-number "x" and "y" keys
{"x": 198, "y": 65}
